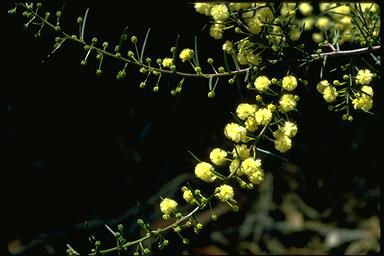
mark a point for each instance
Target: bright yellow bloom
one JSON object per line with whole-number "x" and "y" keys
{"x": 251, "y": 124}
{"x": 289, "y": 83}
{"x": 234, "y": 166}
{"x": 188, "y": 196}
{"x": 235, "y": 132}
{"x": 364, "y": 76}
{"x": 218, "y": 156}
{"x": 228, "y": 47}
{"x": 253, "y": 59}
{"x": 186, "y": 54}
{"x": 204, "y": 171}
{"x": 241, "y": 151}
{"x": 216, "y": 31}
{"x": 364, "y": 100}
{"x": 250, "y": 166}
{"x": 323, "y": 23}
{"x": 203, "y": 8}
{"x": 257, "y": 177}
{"x": 167, "y": 62}
{"x": 262, "y": 83}
{"x": 254, "y": 25}
{"x": 330, "y": 94}
{"x": 305, "y": 8}
{"x": 322, "y": 85}
{"x": 245, "y": 110}
{"x": 224, "y": 193}
{"x": 220, "y": 12}
{"x": 317, "y": 37}
{"x": 263, "y": 116}
{"x": 287, "y": 103}
{"x": 289, "y": 129}
{"x": 283, "y": 143}
{"x": 167, "y": 206}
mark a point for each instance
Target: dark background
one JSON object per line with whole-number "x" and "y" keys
{"x": 77, "y": 147}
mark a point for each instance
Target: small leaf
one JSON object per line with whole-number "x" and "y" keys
{"x": 144, "y": 44}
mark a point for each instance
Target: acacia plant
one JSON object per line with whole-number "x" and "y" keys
{"x": 255, "y": 38}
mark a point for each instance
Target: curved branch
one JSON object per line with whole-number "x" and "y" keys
{"x": 336, "y": 53}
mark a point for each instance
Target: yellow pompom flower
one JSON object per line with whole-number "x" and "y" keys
{"x": 228, "y": 47}
{"x": 254, "y": 59}
{"x": 289, "y": 129}
{"x": 167, "y": 206}
{"x": 364, "y": 100}
{"x": 364, "y": 76}
{"x": 305, "y": 8}
{"x": 250, "y": 166}
{"x": 322, "y": 85}
{"x": 257, "y": 177}
{"x": 251, "y": 124}
{"x": 289, "y": 83}
{"x": 241, "y": 151}
{"x": 317, "y": 37}
{"x": 235, "y": 132}
{"x": 203, "y": 8}
{"x": 224, "y": 193}
{"x": 287, "y": 103}
{"x": 188, "y": 196}
{"x": 323, "y": 23}
{"x": 254, "y": 25}
{"x": 283, "y": 143}
{"x": 241, "y": 58}
{"x": 219, "y": 12}
{"x": 262, "y": 83}
{"x": 216, "y": 31}
{"x": 186, "y": 54}
{"x": 218, "y": 156}
{"x": 245, "y": 110}
{"x": 330, "y": 94}
{"x": 167, "y": 62}
{"x": 235, "y": 166}
{"x": 263, "y": 116}
{"x": 204, "y": 171}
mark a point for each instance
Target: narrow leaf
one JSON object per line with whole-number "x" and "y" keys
{"x": 84, "y": 22}
{"x": 144, "y": 44}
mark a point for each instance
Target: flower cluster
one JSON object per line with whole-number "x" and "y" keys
{"x": 355, "y": 90}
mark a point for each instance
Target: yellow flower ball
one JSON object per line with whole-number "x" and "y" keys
{"x": 224, "y": 193}
{"x": 220, "y": 12}
{"x": 330, "y": 94}
{"x": 203, "y": 8}
{"x": 283, "y": 143}
{"x": 204, "y": 171}
{"x": 167, "y": 62}
{"x": 322, "y": 85}
{"x": 186, "y": 54}
{"x": 263, "y": 116}
{"x": 262, "y": 83}
{"x": 289, "y": 83}
{"x": 168, "y": 205}
{"x": 235, "y": 132}
{"x": 216, "y": 31}
{"x": 364, "y": 76}
{"x": 218, "y": 156}
{"x": 188, "y": 196}
{"x": 245, "y": 110}
{"x": 241, "y": 151}
{"x": 287, "y": 103}
{"x": 250, "y": 166}
{"x": 289, "y": 129}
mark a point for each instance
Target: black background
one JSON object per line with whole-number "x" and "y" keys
{"x": 76, "y": 147}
